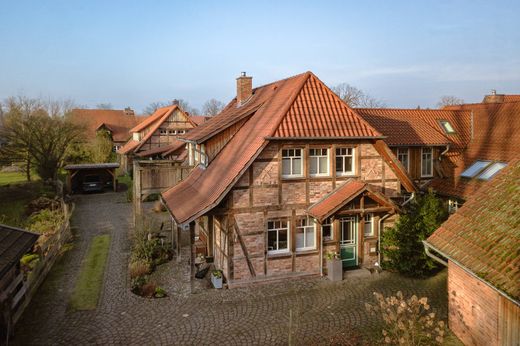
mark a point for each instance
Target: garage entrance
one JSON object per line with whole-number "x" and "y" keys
{"x": 91, "y": 177}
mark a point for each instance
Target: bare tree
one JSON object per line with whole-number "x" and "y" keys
{"x": 104, "y": 105}
{"x": 448, "y": 100}
{"x": 184, "y": 105}
{"x": 212, "y": 107}
{"x": 38, "y": 133}
{"x": 355, "y": 97}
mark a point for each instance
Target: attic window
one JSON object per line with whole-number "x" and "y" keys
{"x": 491, "y": 170}
{"x": 446, "y": 126}
{"x": 474, "y": 169}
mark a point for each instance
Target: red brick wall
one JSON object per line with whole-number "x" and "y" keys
{"x": 473, "y": 308}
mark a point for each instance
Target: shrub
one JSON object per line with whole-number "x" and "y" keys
{"x": 139, "y": 268}
{"x": 407, "y": 321}
{"x": 160, "y": 292}
{"x": 402, "y": 244}
{"x": 46, "y": 221}
{"x": 137, "y": 283}
{"x": 148, "y": 289}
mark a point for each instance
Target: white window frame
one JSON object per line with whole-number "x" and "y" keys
{"x": 291, "y": 159}
{"x": 328, "y": 222}
{"x": 449, "y": 129}
{"x": 406, "y": 152}
{"x": 310, "y": 226}
{"x": 371, "y": 221}
{"x": 453, "y": 205}
{"x": 277, "y": 230}
{"x": 181, "y": 132}
{"x": 344, "y": 173}
{"x": 317, "y": 158}
{"x": 172, "y": 132}
{"x": 423, "y": 175}
{"x": 163, "y": 132}
{"x": 136, "y": 136}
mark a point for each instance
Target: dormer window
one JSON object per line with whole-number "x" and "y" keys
{"x": 447, "y": 127}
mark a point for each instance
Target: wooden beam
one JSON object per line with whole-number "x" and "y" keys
{"x": 244, "y": 250}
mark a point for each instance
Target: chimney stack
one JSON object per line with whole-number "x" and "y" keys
{"x": 244, "y": 88}
{"x": 175, "y": 102}
{"x": 494, "y": 97}
{"x": 129, "y": 111}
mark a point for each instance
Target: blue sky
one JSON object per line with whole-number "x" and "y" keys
{"x": 131, "y": 53}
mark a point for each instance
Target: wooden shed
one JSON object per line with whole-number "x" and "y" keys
{"x": 78, "y": 173}
{"x": 479, "y": 244}
{"x": 14, "y": 243}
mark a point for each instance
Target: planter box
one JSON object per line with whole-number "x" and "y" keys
{"x": 217, "y": 282}
{"x": 335, "y": 270}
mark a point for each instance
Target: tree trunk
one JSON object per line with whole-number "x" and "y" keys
{"x": 28, "y": 166}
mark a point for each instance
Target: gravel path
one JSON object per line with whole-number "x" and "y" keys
{"x": 253, "y": 316}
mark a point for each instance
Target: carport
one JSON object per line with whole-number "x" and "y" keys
{"x": 76, "y": 174}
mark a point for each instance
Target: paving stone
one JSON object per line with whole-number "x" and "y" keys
{"x": 193, "y": 315}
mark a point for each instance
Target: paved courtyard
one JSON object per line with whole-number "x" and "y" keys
{"x": 253, "y": 316}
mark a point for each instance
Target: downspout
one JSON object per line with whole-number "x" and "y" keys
{"x": 444, "y": 152}
{"x": 430, "y": 254}
{"x": 321, "y": 250}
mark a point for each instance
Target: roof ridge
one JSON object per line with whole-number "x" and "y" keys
{"x": 412, "y": 109}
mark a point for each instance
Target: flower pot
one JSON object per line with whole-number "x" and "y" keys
{"x": 216, "y": 281}
{"x": 334, "y": 269}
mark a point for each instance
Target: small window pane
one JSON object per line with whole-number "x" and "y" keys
{"x": 300, "y": 237}
{"x": 271, "y": 240}
{"x": 286, "y": 166}
{"x": 323, "y": 165}
{"x": 309, "y": 237}
{"x": 492, "y": 170}
{"x": 314, "y": 165}
{"x": 297, "y": 166}
{"x": 474, "y": 169}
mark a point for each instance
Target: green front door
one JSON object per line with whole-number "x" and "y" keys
{"x": 348, "y": 241}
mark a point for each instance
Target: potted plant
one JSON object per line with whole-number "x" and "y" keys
{"x": 216, "y": 278}
{"x": 334, "y": 266}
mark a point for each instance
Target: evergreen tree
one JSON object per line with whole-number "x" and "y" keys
{"x": 402, "y": 245}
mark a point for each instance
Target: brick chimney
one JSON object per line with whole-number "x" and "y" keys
{"x": 129, "y": 111}
{"x": 494, "y": 97}
{"x": 244, "y": 88}
{"x": 175, "y": 102}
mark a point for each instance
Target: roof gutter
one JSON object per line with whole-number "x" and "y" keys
{"x": 322, "y": 138}
{"x": 428, "y": 247}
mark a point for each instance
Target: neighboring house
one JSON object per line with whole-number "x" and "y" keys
{"x": 14, "y": 243}
{"x": 284, "y": 174}
{"x": 456, "y": 149}
{"x": 116, "y": 122}
{"x": 480, "y": 245}
{"x": 157, "y": 136}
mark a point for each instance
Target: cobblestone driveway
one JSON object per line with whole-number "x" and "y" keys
{"x": 257, "y": 315}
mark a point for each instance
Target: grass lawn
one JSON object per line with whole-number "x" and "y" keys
{"x": 7, "y": 178}
{"x": 90, "y": 281}
{"x": 14, "y": 199}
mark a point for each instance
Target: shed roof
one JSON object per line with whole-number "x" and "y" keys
{"x": 92, "y": 166}
{"x": 14, "y": 243}
{"x": 484, "y": 234}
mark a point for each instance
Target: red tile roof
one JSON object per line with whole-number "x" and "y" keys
{"x": 317, "y": 112}
{"x": 332, "y": 202}
{"x": 404, "y": 127}
{"x": 128, "y": 147}
{"x": 496, "y": 137}
{"x": 156, "y": 116}
{"x": 484, "y": 234}
{"x": 170, "y": 148}
{"x": 206, "y": 187}
{"x": 198, "y": 119}
{"x": 118, "y": 121}
{"x": 511, "y": 98}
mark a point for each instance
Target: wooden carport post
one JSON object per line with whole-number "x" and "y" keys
{"x": 112, "y": 172}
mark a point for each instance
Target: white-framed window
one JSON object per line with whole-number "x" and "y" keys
{"x": 163, "y": 132}
{"x": 305, "y": 234}
{"x": 172, "y": 132}
{"x": 319, "y": 162}
{"x": 327, "y": 229}
{"x": 369, "y": 224}
{"x": 403, "y": 155}
{"x": 136, "y": 136}
{"x": 446, "y": 126}
{"x": 345, "y": 161}
{"x": 115, "y": 148}
{"x": 181, "y": 132}
{"x": 292, "y": 163}
{"x": 277, "y": 236}
{"x": 426, "y": 162}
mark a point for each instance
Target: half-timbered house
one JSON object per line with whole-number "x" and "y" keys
{"x": 157, "y": 136}
{"x": 284, "y": 174}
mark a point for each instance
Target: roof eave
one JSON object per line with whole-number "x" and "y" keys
{"x": 324, "y": 137}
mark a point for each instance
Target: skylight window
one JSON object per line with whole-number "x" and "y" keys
{"x": 446, "y": 126}
{"x": 492, "y": 170}
{"x": 475, "y": 168}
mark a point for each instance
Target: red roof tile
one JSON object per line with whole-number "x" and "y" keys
{"x": 265, "y": 111}
{"x": 118, "y": 121}
{"x": 496, "y": 137}
{"x": 330, "y": 203}
{"x": 157, "y": 115}
{"x": 170, "y": 148}
{"x": 205, "y": 188}
{"x": 484, "y": 234}
{"x": 198, "y": 119}
{"x": 318, "y": 112}
{"x": 404, "y": 127}
{"x": 128, "y": 147}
